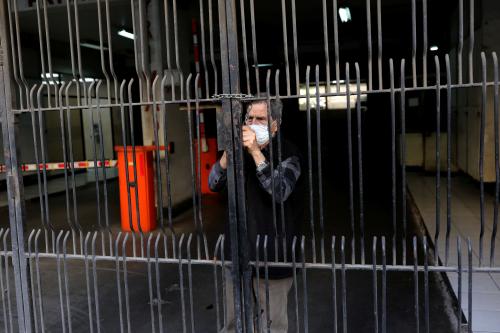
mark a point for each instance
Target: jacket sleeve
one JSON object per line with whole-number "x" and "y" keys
{"x": 217, "y": 178}
{"x": 285, "y": 177}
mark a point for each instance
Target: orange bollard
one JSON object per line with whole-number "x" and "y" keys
{"x": 144, "y": 187}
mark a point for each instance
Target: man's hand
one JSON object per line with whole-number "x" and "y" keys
{"x": 223, "y": 161}
{"x": 250, "y": 140}
{"x": 250, "y": 143}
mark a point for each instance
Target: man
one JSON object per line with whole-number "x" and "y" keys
{"x": 258, "y": 186}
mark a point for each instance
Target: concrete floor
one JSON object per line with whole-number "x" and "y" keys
{"x": 400, "y": 300}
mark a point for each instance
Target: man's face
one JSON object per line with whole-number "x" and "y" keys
{"x": 257, "y": 115}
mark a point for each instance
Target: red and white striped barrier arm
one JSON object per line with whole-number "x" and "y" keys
{"x": 62, "y": 166}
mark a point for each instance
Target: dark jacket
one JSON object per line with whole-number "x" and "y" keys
{"x": 288, "y": 191}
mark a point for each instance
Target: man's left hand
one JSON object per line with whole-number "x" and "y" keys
{"x": 250, "y": 140}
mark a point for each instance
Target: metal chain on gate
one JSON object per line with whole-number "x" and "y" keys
{"x": 231, "y": 96}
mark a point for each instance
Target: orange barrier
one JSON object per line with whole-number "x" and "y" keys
{"x": 144, "y": 185}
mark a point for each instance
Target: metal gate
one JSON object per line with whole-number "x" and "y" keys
{"x": 64, "y": 269}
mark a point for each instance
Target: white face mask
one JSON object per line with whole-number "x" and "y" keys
{"x": 261, "y": 133}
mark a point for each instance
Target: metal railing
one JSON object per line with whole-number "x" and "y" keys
{"x": 221, "y": 81}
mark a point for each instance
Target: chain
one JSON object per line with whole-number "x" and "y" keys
{"x": 231, "y": 96}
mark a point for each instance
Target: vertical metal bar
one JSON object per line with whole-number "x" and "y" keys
{"x": 101, "y": 51}
{"x": 426, "y": 285}
{"x": 295, "y": 287}
{"x": 369, "y": 40}
{"x": 336, "y": 45}
{"x": 469, "y": 299}
{"x": 295, "y": 49}
{"x": 244, "y": 43}
{"x": 414, "y": 42}
{"x": 304, "y": 284}
{"x": 375, "y": 291}
{"x": 310, "y": 166}
{"x": 44, "y": 169}
{"x": 349, "y": 156}
{"x": 360, "y": 164}
{"x": 75, "y": 224}
{"x": 4, "y": 306}
{"x": 280, "y": 174}
{"x": 159, "y": 182}
{"x": 159, "y": 300}
{"x": 229, "y": 66}
{"x": 285, "y": 46}
{"x": 13, "y": 53}
{"x": 167, "y": 163}
{"x": 125, "y": 149}
{"x": 134, "y": 160}
{"x": 384, "y": 288}
{"x": 438, "y": 159}
{"x": 497, "y": 166}
{"x": 471, "y": 41}
{"x": 459, "y": 293}
{"x": 216, "y": 287}
{"x": 271, "y": 163}
{"x": 150, "y": 282}
{"x": 258, "y": 315}
{"x": 448, "y": 156}
{"x": 319, "y": 161}
{"x": 424, "y": 45}
{"x": 176, "y": 47}
{"x": 194, "y": 178}
{"x": 379, "y": 40}
{"x": 103, "y": 158}
{"x": 96, "y": 286}
{"x": 403, "y": 157}
{"x": 190, "y": 283}
{"x": 460, "y": 38}
{"x": 344, "y": 282}
{"x": 7, "y": 279}
{"x": 415, "y": 286}
{"x": 181, "y": 284}
{"x": 125, "y": 282}
{"x": 266, "y": 282}
{"x": 32, "y": 280}
{"x": 481, "y": 155}
{"x": 37, "y": 160}
{"x": 325, "y": 46}
{"x": 81, "y": 75}
{"x": 393, "y": 161}
{"x": 39, "y": 284}
{"x": 118, "y": 283}
{"x": 203, "y": 49}
{"x": 66, "y": 282}
{"x": 334, "y": 287}
{"x": 65, "y": 157}
{"x": 200, "y": 233}
{"x": 254, "y": 47}
{"x": 94, "y": 153}
{"x": 110, "y": 52}
{"x": 87, "y": 282}
{"x": 211, "y": 39}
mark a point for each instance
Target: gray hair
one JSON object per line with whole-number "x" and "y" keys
{"x": 276, "y": 107}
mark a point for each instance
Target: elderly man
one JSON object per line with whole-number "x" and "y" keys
{"x": 259, "y": 205}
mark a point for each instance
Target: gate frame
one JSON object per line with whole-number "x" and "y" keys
{"x": 15, "y": 186}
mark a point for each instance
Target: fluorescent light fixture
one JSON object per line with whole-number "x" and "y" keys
{"x": 434, "y": 48}
{"x": 262, "y": 65}
{"x": 345, "y": 14}
{"x": 88, "y": 79}
{"x": 332, "y": 102}
{"x": 126, "y": 34}
{"x": 48, "y": 76}
{"x": 93, "y": 46}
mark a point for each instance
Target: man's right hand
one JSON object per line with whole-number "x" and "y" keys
{"x": 223, "y": 161}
